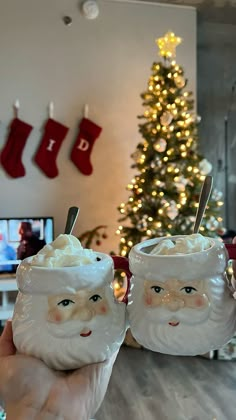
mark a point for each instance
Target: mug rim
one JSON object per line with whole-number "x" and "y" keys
{"x": 211, "y": 261}
{"x": 45, "y": 280}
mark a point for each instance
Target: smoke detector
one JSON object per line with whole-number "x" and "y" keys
{"x": 90, "y": 9}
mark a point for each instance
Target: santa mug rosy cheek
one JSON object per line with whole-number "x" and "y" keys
{"x": 68, "y": 316}
{"x": 181, "y": 304}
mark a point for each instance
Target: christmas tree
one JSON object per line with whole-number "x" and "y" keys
{"x": 163, "y": 196}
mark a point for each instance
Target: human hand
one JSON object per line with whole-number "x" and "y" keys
{"x": 31, "y": 390}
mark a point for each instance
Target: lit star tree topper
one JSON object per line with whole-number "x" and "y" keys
{"x": 167, "y": 44}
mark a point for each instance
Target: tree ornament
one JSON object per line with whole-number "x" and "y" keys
{"x": 158, "y": 163}
{"x": 136, "y": 155}
{"x": 92, "y": 236}
{"x": 161, "y": 184}
{"x": 212, "y": 224}
{"x": 205, "y": 167}
{"x": 142, "y": 225}
{"x": 216, "y": 195}
{"x": 166, "y": 118}
{"x": 160, "y": 145}
{"x": 168, "y": 44}
{"x": 179, "y": 82}
{"x": 172, "y": 210}
{"x": 181, "y": 184}
{"x": 221, "y": 231}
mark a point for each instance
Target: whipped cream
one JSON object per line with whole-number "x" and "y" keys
{"x": 65, "y": 251}
{"x": 183, "y": 245}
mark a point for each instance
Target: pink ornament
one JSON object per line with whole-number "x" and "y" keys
{"x": 160, "y": 145}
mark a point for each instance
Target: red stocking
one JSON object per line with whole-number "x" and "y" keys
{"x": 54, "y": 134}
{"x": 81, "y": 151}
{"x": 11, "y": 154}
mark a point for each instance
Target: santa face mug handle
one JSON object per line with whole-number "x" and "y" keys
{"x": 68, "y": 316}
{"x": 181, "y": 304}
{"x": 122, "y": 263}
{"x": 231, "y": 248}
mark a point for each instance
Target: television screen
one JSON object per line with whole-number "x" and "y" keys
{"x": 21, "y": 238}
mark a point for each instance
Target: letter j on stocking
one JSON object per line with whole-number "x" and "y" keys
{"x": 81, "y": 151}
{"x": 53, "y": 136}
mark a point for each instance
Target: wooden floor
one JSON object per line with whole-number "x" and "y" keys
{"x": 152, "y": 386}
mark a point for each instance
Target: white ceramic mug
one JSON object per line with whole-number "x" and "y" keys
{"x": 181, "y": 304}
{"x": 68, "y": 316}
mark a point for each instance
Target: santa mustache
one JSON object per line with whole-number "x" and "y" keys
{"x": 186, "y": 316}
{"x": 75, "y": 327}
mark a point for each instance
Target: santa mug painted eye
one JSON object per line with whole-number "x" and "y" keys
{"x": 179, "y": 301}
{"x": 68, "y": 316}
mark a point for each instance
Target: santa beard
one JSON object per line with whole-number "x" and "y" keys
{"x": 198, "y": 332}
{"x": 60, "y": 346}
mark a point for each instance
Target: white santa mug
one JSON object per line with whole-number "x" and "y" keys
{"x": 181, "y": 304}
{"x": 68, "y": 316}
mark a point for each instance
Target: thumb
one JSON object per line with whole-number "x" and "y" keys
{"x": 7, "y": 347}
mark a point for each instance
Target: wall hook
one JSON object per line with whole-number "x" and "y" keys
{"x": 86, "y": 111}
{"x": 16, "y": 108}
{"x": 51, "y": 110}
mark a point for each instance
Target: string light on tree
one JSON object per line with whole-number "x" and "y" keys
{"x": 164, "y": 193}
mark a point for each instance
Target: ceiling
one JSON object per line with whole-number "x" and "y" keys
{"x": 221, "y": 11}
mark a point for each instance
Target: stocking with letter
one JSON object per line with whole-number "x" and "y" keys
{"x": 81, "y": 151}
{"x": 11, "y": 154}
{"x": 46, "y": 155}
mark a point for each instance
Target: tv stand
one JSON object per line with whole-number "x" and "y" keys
{"x": 7, "y": 284}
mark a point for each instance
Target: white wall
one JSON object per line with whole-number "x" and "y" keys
{"x": 104, "y": 62}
